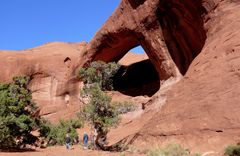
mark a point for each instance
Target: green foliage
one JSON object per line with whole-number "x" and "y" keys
{"x": 124, "y": 107}
{"x": 232, "y": 150}
{"x": 101, "y": 73}
{"x": 99, "y": 112}
{"x": 17, "y": 114}
{"x": 56, "y": 134}
{"x": 169, "y": 150}
{"x": 133, "y": 149}
{"x": 122, "y": 154}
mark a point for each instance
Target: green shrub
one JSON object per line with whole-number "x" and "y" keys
{"x": 232, "y": 150}
{"x": 18, "y": 114}
{"x": 56, "y": 134}
{"x": 45, "y": 128}
{"x": 101, "y": 73}
{"x": 157, "y": 151}
{"x": 133, "y": 149}
{"x": 169, "y": 150}
{"x": 122, "y": 154}
{"x": 124, "y": 107}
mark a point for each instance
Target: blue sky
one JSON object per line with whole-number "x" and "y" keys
{"x": 29, "y": 23}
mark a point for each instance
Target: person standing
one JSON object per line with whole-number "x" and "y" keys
{"x": 85, "y": 140}
{"x": 94, "y": 139}
{"x": 68, "y": 142}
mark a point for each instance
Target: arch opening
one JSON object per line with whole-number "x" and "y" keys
{"x": 172, "y": 37}
{"x": 136, "y": 3}
{"x": 137, "y": 75}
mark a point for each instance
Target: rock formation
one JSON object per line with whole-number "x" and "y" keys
{"x": 52, "y": 69}
{"x": 203, "y": 108}
{"x": 171, "y": 32}
{"x": 199, "y": 37}
{"x": 53, "y": 78}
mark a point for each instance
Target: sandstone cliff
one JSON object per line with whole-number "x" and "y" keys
{"x": 197, "y": 38}
{"x": 53, "y": 79}
{"x": 196, "y": 43}
{"x": 53, "y": 71}
{"x": 202, "y": 110}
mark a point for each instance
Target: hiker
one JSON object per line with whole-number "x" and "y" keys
{"x": 68, "y": 141}
{"x": 85, "y": 140}
{"x": 76, "y": 140}
{"x": 94, "y": 139}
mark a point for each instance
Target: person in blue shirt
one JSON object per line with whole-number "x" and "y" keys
{"x": 85, "y": 140}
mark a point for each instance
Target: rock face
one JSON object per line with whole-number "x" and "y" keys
{"x": 171, "y": 33}
{"x": 202, "y": 39}
{"x": 203, "y": 108}
{"x": 51, "y": 68}
{"x": 198, "y": 38}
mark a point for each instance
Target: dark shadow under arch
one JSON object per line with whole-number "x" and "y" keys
{"x": 137, "y": 79}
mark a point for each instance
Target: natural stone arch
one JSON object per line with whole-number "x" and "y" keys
{"x": 171, "y": 44}
{"x": 112, "y": 46}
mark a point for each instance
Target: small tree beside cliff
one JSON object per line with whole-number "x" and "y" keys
{"x": 18, "y": 114}
{"x": 98, "y": 110}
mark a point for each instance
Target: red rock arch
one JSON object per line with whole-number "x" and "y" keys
{"x": 171, "y": 33}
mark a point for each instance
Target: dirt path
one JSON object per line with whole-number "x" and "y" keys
{"x": 61, "y": 151}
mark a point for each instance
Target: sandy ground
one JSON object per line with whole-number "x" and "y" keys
{"x": 60, "y": 151}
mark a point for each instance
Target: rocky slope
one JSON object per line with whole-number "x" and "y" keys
{"x": 202, "y": 110}
{"x": 198, "y": 37}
